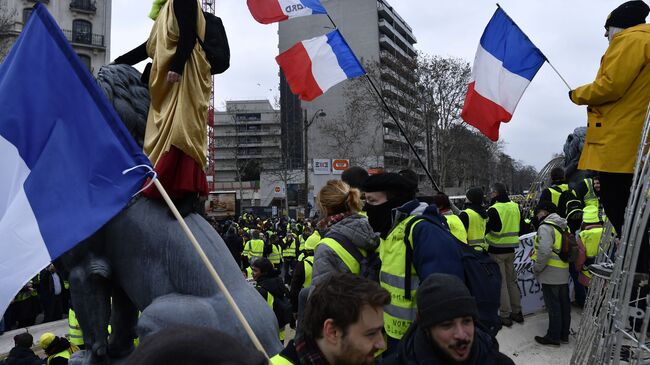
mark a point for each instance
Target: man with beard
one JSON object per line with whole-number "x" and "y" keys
{"x": 445, "y": 331}
{"x": 415, "y": 243}
{"x": 342, "y": 324}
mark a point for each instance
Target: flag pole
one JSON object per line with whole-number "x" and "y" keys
{"x": 540, "y": 51}
{"x": 211, "y": 269}
{"x": 399, "y": 125}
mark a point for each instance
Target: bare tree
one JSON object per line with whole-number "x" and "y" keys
{"x": 7, "y": 33}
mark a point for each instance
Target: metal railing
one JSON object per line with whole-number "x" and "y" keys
{"x": 83, "y": 5}
{"x": 96, "y": 40}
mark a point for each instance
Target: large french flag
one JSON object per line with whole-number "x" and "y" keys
{"x": 506, "y": 61}
{"x": 272, "y": 11}
{"x": 62, "y": 153}
{"x": 313, "y": 66}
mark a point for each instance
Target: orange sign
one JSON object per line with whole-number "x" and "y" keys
{"x": 277, "y": 189}
{"x": 338, "y": 166}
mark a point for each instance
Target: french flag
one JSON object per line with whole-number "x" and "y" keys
{"x": 313, "y": 66}
{"x": 506, "y": 62}
{"x": 62, "y": 153}
{"x": 272, "y": 11}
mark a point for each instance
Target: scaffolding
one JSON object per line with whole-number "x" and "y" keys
{"x": 614, "y": 324}
{"x": 208, "y": 6}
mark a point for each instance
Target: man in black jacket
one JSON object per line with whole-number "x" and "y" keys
{"x": 444, "y": 332}
{"x": 22, "y": 353}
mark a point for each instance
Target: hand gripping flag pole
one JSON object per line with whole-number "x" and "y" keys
{"x": 399, "y": 125}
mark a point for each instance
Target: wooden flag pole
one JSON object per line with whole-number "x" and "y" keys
{"x": 210, "y": 267}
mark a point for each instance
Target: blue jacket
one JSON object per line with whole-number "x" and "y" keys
{"x": 435, "y": 250}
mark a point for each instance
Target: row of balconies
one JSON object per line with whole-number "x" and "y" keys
{"x": 387, "y": 12}
{"x": 85, "y": 6}
{"x": 387, "y": 29}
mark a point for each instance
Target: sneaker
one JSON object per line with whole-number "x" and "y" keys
{"x": 517, "y": 317}
{"x": 543, "y": 340}
{"x": 505, "y": 321}
{"x": 603, "y": 270}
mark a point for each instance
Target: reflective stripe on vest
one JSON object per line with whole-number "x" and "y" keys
{"x": 476, "y": 229}
{"x": 308, "y": 263}
{"x": 255, "y": 248}
{"x": 554, "y": 260}
{"x": 74, "y": 331}
{"x": 401, "y": 312}
{"x": 456, "y": 227}
{"x": 276, "y": 255}
{"x": 508, "y": 236}
{"x": 64, "y": 354}
{"x": 280, "y": 360}
{"x": 349, "y": 260}
{"x": 590, "y": 237}
{"x": 290, "y": 251}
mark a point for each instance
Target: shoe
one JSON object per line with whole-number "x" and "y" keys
{"x": 505, "y": 321}
{"x": 517, "y": 317}
{"x": 603, "y": 270}
{"x": 564, "y": 340}
{"x": 543, "y": 340}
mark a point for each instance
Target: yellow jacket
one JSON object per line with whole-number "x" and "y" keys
{"x": 617, "y": 103}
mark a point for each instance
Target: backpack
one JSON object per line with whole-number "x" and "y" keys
{"x": 283, "y": 311}
{"x": 370, "y": 265}
{"x": 215, "y": 44}
{"x": 482, "y": 277}
{"x": 569, "y": 247}
{"x": 569, "y": 206}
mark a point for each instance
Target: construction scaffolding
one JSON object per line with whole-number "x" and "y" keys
{"x": 615, "y": 319}
{"x": 208, "y": 6}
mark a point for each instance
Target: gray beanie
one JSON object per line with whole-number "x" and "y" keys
{"x": 443, "y": 297}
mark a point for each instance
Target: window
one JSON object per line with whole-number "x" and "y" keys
{"x": 248, "y": 117}
{"x": 82, "y": 31}
{"x": 85, "y": 60}
{"x": 27, "y": 12}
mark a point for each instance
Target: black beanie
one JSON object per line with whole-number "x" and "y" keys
{"x": 443, "y": 297}
{"x": 193, "y": 345}
{"x": 557, "y": 174}
{"x": 397, "y": 185}
{"x": 547, "y": 206}
{"x": 628, "y": 15}
{"x": 475, "y": 195}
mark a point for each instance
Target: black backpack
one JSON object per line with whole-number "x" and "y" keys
{"x": 569, "y": 206}
{"x": 215, "y": 44}
{"x": 370, "y": 265}
{"x": 569, "y": 248}
{"x": 482, "y": 277}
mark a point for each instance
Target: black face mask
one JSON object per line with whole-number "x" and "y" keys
{"x": 380, "y": 217}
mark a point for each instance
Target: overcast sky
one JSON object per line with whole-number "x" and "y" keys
{"x": 569, "y": 33}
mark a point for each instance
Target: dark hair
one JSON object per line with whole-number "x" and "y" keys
{"x": 354, "y": 176}
{"x": 500, "y": 189}
{"x": 557, "y": 174}
{"x": 265, "y": 266}
{"x": 340, "y": 297}
{"x": 442, "y": 201}
{"x": 24, "y": 340}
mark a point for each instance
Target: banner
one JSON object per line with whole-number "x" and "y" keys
{"x": 532, "y": 299}
{"x": 321, "y": 166}
{"x": 340, "y": 165}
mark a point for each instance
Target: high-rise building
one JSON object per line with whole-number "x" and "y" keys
{"x": 85, "y": 23}
{"x": 382, "y": 39}
{"x": 247, "y": 140}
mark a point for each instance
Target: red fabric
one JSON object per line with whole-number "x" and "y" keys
{"x": 179, "y": 174}
{"x": 484, "y": 114}
{"x": 266, "y": 11}
{"x": 296, "y": 65}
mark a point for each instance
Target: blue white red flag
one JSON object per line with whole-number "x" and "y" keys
{"x": 313, "y": 66}
{"x": 506, "y": 61}
{"x": 62, "y": 153}
{"x": 272, "y": 11}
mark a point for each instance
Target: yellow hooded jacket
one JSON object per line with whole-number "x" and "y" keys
{"x": 617, "y": 103}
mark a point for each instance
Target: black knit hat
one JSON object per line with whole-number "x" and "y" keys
{"x": 628, "y": 15}
{"x": 557, "y": 174}
{"x": 443, "y": 297}
{"x": 475, "y": 195}
{"x": 390, "y": 182}
{"x": 547, "y": 206}
{"x": 193, "y": 345}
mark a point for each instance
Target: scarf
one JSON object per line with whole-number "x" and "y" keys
{"x": 308, "y": 352}
{"x": 327, "y": 222}
{"x": 155, "y": 8}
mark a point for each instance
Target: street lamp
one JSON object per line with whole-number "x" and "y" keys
{"x": 307, "y": 124}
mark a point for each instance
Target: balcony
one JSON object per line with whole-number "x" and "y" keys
{"x": 85, "y": 39}
{"x": 386, "y": 43}
{"x": 83, "y": 6}
{"x": 387, "y": 29}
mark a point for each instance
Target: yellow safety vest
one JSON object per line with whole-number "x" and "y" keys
{"x": 347, "y": 258}
{"x": 280, "y": 360}
{"x": 276, "y": 255}
{"x": 508, "y": 236}
{"x": 74, "y": 332}
{"x": 555, "y": 195}
{"x": 554, "y": 260}
{"x": 290, "y": 251}
{"x": 590, "y": 197}
{"x": 476, "y": 229}
{"x": 255, "y": 249}
{"x": 64, "y": 354}
{"x": 590, "y": 237}
{"x": 270, "y": 300}
{"x": 308, "y": 263}
{"x": 456, "y": 227}
{"x": 401, "y": 312}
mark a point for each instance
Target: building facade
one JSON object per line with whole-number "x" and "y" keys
{"x": 384, "y": 42}
{"x": 247, "y": 140}
{"x": 85, "y": 23}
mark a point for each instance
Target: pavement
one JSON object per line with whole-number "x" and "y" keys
{"x": 517, "y": 342}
